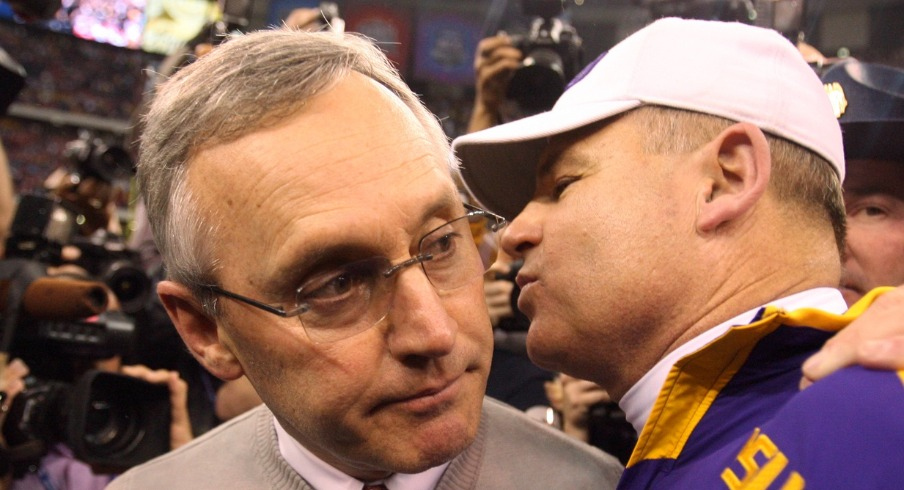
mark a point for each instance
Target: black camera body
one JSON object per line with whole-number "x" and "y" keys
{"x": 43, "y": 226}
{"x": 93, "y": 157}
{"x": 553, "y": 55}
{"x": 109, "y": 420}
{"x": 59, "y": 327}
{"x": 609, "y": 430}
{"x": 108, "y": 260}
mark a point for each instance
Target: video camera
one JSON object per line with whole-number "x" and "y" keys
{"x": 58, "y": 326}
{"x": 553, "y": 55}
{"x": 43, "y": 226}
{"x": 61, "y": 326}
{"x": 93, "y": 157}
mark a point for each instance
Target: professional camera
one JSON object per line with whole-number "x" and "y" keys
{"x": 110, "y": 421}
{"x": 43, "y": 226}
{"x": 553, "y": 55}
{"x": 59, "y": 327}
{"x": 94, "y": 157}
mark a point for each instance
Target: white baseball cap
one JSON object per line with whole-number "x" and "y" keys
{"x": 728, "y": 69}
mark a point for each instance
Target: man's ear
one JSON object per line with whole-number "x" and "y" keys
{"x": 737, "y": 165}
{"x": 199, "y": 331}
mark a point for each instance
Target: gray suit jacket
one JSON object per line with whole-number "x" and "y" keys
{"x": 510, "y": 451}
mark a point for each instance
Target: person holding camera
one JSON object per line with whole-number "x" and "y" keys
{"x": 12, "y": 376}
{"x": 522, "y": 74}
{"x": 585, "y": 411}
{"x": 680, "y": 216}
{"x": 60, "y": 469}
{"x": 495, "y": 62}
{"x": 38, "y": 407}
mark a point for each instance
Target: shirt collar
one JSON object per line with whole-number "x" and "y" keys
{"x": 322, "y": 476}
{"x": 638, "y": 401}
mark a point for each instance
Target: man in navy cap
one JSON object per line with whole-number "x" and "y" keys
{"x": 869, "y": 102}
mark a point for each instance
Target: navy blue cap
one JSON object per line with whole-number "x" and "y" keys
{"x": 869, "y": 102}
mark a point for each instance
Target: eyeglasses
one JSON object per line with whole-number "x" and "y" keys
{"x": 351, "y": 298}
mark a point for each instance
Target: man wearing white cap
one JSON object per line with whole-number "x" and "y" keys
{"x": 680, "y": 217}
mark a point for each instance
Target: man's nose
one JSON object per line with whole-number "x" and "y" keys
{"x": 524, "y": 231}
{"x": 420, "y": 325}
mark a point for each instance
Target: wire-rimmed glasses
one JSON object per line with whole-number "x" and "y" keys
{"x": 338, "y": 303}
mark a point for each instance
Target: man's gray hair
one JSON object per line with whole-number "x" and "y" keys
{"x": 246, "y": 84}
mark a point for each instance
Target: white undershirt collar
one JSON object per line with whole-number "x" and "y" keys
{"x": 638, "y": 401}
{"x": 322, "y": 476}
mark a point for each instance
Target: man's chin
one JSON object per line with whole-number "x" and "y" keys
{"x": 543, "y": 351}
{"x": 436, "y": 447}
{"x": 412, "y": 451}
{"x": 440, "y": 438}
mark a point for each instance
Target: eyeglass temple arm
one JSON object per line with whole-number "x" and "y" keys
{"x": 276, "y": 310}
{"x": 474, "y": 210}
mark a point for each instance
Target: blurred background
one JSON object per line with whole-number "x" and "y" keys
{"x": 88, "y": 62}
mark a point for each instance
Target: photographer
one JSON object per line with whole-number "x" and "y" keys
{"x": 522, "y": 75}
{"x": 11, "y": 384}
{"x": 58, "y": 468}
{"x": 93, "y": 197}
{"x": 62, "y": 470}
{"x": 495, "y": 62}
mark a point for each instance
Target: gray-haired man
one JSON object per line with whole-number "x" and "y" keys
{"x": 302, "y": 200}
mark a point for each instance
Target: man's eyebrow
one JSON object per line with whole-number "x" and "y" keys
{"x": 343, "y": 252}
{"x": 302, "y": 266}
{"x": 445, "y": 201}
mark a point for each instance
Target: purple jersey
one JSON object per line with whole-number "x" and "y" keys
{"x": 731, "y": 416}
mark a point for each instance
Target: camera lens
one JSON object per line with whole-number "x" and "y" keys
{"x": 111, "y": 427}
{"x": 129, "y": 283}
{"x": 112, "y": 163}
{"x": 539, "y": 82}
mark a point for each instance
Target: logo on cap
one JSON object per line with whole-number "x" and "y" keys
{"x": 837, "y": 98}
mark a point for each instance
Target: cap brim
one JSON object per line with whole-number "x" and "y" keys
{"x": 498, "y": 165}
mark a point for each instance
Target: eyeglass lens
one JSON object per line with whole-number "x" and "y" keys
{"x": 348, "y": 300}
